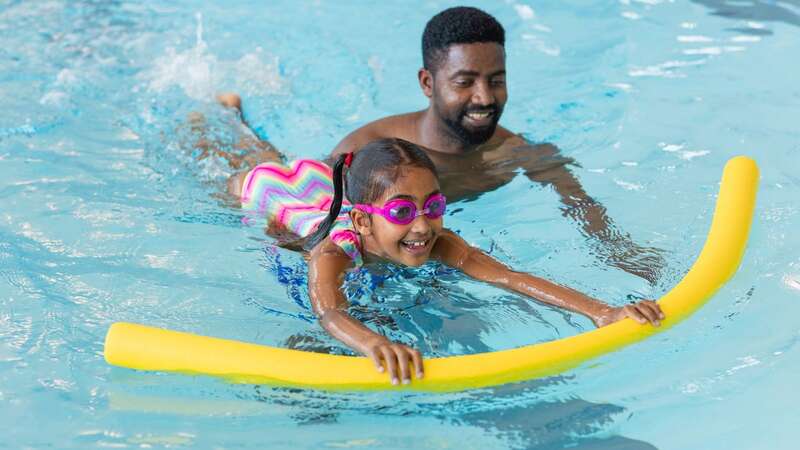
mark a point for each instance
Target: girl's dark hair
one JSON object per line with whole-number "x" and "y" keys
{"x": 373, "y": 169}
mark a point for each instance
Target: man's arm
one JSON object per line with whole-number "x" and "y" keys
{"x": 549, "y": 167}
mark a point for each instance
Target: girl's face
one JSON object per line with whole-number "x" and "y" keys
{"x": 403, "y": 244}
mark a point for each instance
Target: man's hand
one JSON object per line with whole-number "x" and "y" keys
{"x": 397, "y": 358}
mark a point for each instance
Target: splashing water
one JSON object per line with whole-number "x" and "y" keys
{"x": 200, "y": 74}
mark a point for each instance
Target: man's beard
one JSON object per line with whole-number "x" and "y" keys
{"x": 473, "y": 136}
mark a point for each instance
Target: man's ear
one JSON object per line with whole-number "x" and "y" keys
{"x": 362, "y": 222}
{"x": 425, "y": 81}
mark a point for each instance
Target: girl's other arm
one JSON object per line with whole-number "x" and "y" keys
{"x": 452, "y": 250}
{"x": 326, "y": 271}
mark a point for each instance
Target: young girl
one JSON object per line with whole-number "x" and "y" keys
{"x": 384, "y": 204}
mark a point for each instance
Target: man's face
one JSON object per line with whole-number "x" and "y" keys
{"x": 469, "y": 90}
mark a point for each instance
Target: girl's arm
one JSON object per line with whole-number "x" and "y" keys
{"x": 452, "y": 250}
{"x": 326, "y": 271}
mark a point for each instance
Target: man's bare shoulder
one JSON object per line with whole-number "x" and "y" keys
{"x": 509, "y": 138}
{"x": 400, "y": 126}
{"x": 506, "y": 146}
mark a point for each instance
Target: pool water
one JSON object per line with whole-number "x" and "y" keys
{"x": 105, "y": 216}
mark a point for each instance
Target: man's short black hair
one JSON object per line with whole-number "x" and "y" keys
{"x": 459, "y": 25}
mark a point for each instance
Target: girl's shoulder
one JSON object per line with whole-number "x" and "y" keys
{"x": 450, "y": 248}
{"x": 330, "y": 252}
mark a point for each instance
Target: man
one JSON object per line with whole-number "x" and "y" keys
{"x": 464, "y": 78}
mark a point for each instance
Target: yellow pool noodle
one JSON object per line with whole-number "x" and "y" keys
{"x": 147, "y": 348}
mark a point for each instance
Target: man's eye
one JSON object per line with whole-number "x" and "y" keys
{"x": 498, "y": 82}
{"x": 462, "y": 83}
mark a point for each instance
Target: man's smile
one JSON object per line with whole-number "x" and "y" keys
{"x": 480, "y": 118}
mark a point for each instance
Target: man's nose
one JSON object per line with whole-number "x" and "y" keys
{"x": 482, "y": 94}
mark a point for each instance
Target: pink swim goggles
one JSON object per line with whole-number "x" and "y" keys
{"x": 403, "y": 212}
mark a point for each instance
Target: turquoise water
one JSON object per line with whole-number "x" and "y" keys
{"x": 104, "y": 218}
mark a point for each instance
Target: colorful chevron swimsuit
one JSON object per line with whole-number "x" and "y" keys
{"x": 298, "y": 197}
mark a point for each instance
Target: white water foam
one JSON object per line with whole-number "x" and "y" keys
{"x": 525, "y": 12}
{"x": 201, "y": 75}
{"x": 792, "y": 281}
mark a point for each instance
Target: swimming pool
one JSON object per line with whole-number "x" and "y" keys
{"x": 103, "y": 218}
